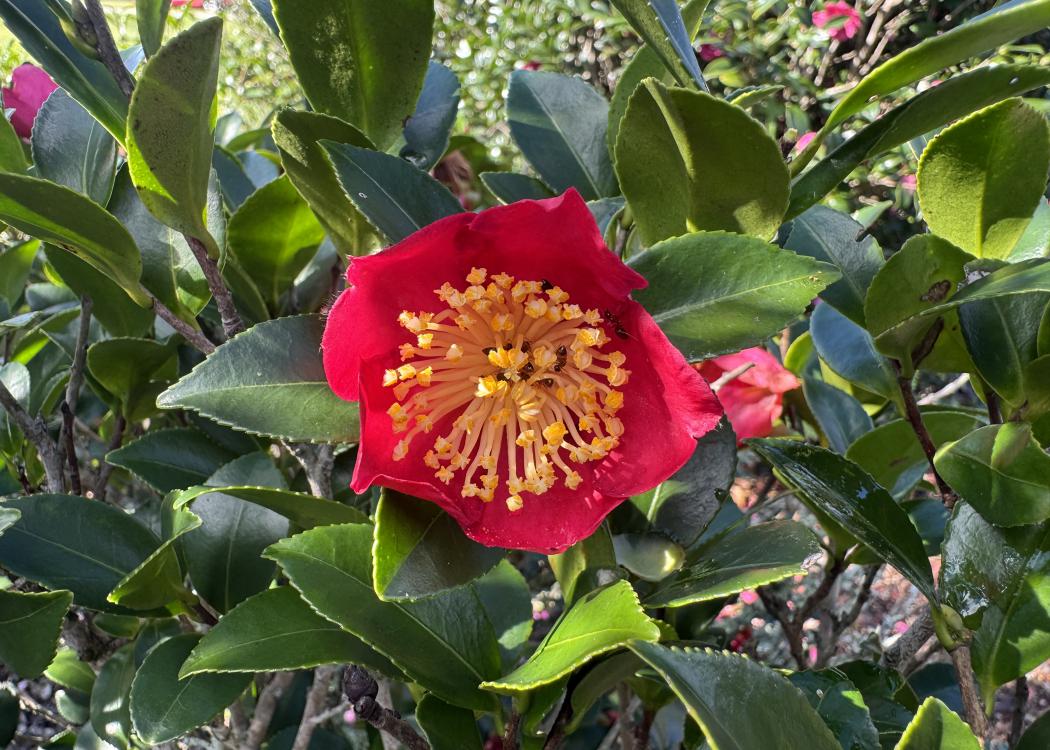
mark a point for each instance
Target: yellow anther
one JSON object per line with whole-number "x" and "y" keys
{"x": 454, "y": 353}
{"x": 614, "y": 400}
{"x": 587, "y": 337}
{"x": 499, "y": 357}
{"x": 459, "y": 461}
{"x": 457, "y": 299}
{"x": 554, "y": 433}
{"x": 553, "y": 313}
{"x": 572, "y": 480}
{"x": 571, "y": 312}
{"x": 423, "y": 376}
{"x": 477, "y": 275}
{"x": 389, "y": 377}
{"x": 543, "y": 357}
{"x": 425, "y": 340}
{"x": 582, "y": 358}
{"x": 405, "y": 372}
{"x": 614, "y": 426}
{"x": 490, "y": 481}
{"x": 489, "y": 386}
{"x": 487, "y": 495}
{"x": 444, "y": 474}
{"x": 443, "y": 447}
{"x": 592, "y": 317}
{"x": 501, "y": 417}
{"x": 488, "y": 463}
{"x": 494, "y": 293}
{"x": 515, "y": 503}
{"x": 502, "y": 321}
{"x": 483, "y": 306}
{"x": 469, "y": 490}
{"x": 617, "y": 358}
{"x": 557, "y": 295}
{"x": 536, "y": 307}
{"x": 474, "y": 293}
{"x": 586, "y": 423}
{"x": 400, "y": 450}
{"x": 515, "y": 485}
{"x": 445, "y": 292}
{"x": 526, "y": 438}
{"x": 503, "y": 280}
{"x": 616, "y": 376}
{"x": 464, "y": 321}
{"x": 407, "y": 351}
{"x": 431, "y": 460}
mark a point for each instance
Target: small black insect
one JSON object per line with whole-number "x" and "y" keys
{"x": 616, "y": 324}
{"x": 526, "y": 347}
{"x": 549, "y": 382}
{"x": 508, "y": 347}
{"x": 546, "y": 285}
{"x": 563, "y": 357}
{"x": 528, "y": 369}
{"x": 488, "y": 350}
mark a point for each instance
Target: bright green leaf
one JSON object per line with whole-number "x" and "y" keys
{"x": 110, "y": 705}
{"x": 151, "y": 16}
{"x": 936, "y": 727}
{"x": 303, "y": 510}
{"x": 29, "y": 628}
{"x": 660, "y": 24}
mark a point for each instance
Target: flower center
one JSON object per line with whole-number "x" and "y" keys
{"x": 523, "y": 372}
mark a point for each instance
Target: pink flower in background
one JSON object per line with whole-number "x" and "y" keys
{"x": 749, "y": 596}
{"x": 840, "y": 20}
{"x": 30, "y": 88}
{"x": 191, "y": 3}
{"x": 532, "y": 65}
{"x": 754, "y": 399}
{"x": 804, "y": 140}
{"x": 908, "y": 182}
{"x": 709, "y": 52}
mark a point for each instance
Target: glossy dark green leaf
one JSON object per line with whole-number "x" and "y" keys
{"x": 688, "y": 161}
{"x": 1037, "y": 736}
{"x": 682, "y": 506}
{"x": 892, "y": 455}
{"x": 559, "y": 124}
{"x": 738, "y": 703}
{"x": 426, "y": 132}
{"x": 12, "y": 152}
{"x": 660, "y": 24}
{"x": 651, "y": 557}
{"x": 937, "y": 727}
{"x": 716, "y": 292}
{"x": 395, "y": 197}
{"x": 1001, "y": 471}
{"x": 834, "y": 237}
{"x": 29, "y": 628}
{"x": 151, "y": 17}
{"x": 841, "y": 417}
{"x": 117, "y": 313}
{"x": 38, "y": 30}
{"x": 854, "y": 500}
{"x": 229, "y": 384}
{"x": 600, "y": 621}
{"x": 505, "y": 597}
{"x": 303, "y": 510}
{"x": 16, "y": 263}
{"x": 274, "y": 234}
{"x": 838, "y": 702}
{"x": 170, "y": 127}
{"x": 753, "y": 557}
{"x": 363, "y": 62}
{"x": 164, "y": 707}
{"x": 171, "y": 459}
{"x": 1002, "y": 338}
{"x": 447, "y": 727}
{"x": 980, "y": 180}
{"x": 110, "y": 704}
{"x": 72, "y": 148}
{"x": 510, "y": 187}
{"x": 586, "y": 565}
{"x": 224, "y": 556}
{"x": 132, "y": 371}
{"x": 27, "y": 204}
{"x": 955, "y": 97}
{"x": 276, "y": 630}
{"x": 297, "y": 135}
{"x": 234, "y": 183}
{"x": 69, "y": 671}
{"x": 70, "y": 542}
{"x": 850, "y": 352}
{"x": 420, "y": 550}
{"x": 445, "y": 643}
{"x": 10, "y": 713}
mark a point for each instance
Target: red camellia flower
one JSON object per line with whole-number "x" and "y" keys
{"x": 754, "y": 399}
{"x": 709, "y": 52}
{"x": 505, "y": 374}
{"x": 840, "y": 20}
{"x": 30, "y": 88}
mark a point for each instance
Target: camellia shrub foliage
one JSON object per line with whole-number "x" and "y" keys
{"x": 333, "y": 433}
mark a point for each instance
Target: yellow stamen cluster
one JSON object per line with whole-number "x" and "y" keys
{"x": 520, "y": 371}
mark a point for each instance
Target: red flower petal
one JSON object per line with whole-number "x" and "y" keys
{"x": 30, "y": 88}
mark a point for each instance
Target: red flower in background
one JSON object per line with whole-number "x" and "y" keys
{"x": 505, "y": 374}
{"x": 30, "y": 88}
{"x": 754, "y": 399}
{"x": 709, "y": 52}
{"x": 191, "y": 3}
{"x": 840, "y": 20}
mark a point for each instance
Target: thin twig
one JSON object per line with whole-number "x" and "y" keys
{"x": 107, "y": 48}
{"x": 36, "y": 707}
{"x": 231, "y": 320}
{"x": 914, "y": 417}
{"x": 792, "y": 635}
{"x": 317, "y": 462}
{"x": 1020, "y": 706}
{"x": 70, "y": 449}
{"x": 69, "y": 405}
{"x": 731, "y": 375}
{"x": 949, "y": 390}
{"x": 106, "y": 469}
{"x": 909, "y": 643}
{"x": 972, "y": 705}
{"x": 265, "y": 708}
{"x": 623, "y": 694}
{"x": 36, "y": 432}
{"x": 315, "y": 704}
{"x": 192, "y": 336}
{"x": 510, "y": 732}
{"x": 361, "y": 690}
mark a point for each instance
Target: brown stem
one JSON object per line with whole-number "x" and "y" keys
{"x": 107, "y": 468}
{"x": 792, "y": 635}
{"x": 909, "y": 643}
{"x": 914, "y": 417}
{"x": 361, "y": 690}
{"x": 317, "y": 462}
{"x": 1020, "y": 706}
{"x": 972, "y": 705}
{"x": 265, "y": 708}
{"x": 76, "y": 380}
{"x": 71, "y": 449}
{"x": 623, "y": 695}
{"x": 231, "y": 320}
{"x": 315, "y": 704}
{"x": 192, "y": 336}
{"x": 35, "y": 431}
{"x": 510, "y": 733}
{"x": 106, "y": 47}
{"x": 641, "y": 737}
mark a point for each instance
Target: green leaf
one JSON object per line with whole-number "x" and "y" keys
{"x": 447, "y": 727}
{"x": 37, "y": 28}
{"x": 274, "y": 234}
{"x": 852, "y": 499}
{"x": 110, "y": 705}
{"x": 715, "y": 292}
{"x": 297, "y": 135}
{"x": 303, "y": 510}
{"x": 504, "y": 595}
{"x": 30, "y": 625}
{"x": 598, "y": 622}
{"x": 164, "y": 707}
{"x": 420, "y": 550}
{"x": 739, "y": 704}
{"x": 1037, "y": 736}
{"x": 223, "y": 557}
{"x": 850, "y": 352}
{"x": 70, "y": 542}
{"x": 395, "y": 197}
{"x": 84, "y": 228}
{"x": 985, "y": 32}
{"x": 510, "y": 187}
{"x": 16, "y": 263}
{"x": 750, "y": 558}
{"x": 1001, "y": 337}
{"x": 1001, "y": 471}
{"x": 834, "y": 237}
{"x": 891, "y": 452}
{"x": 363, "y": 62}
{"x": 688, "y": 161}
{"x": 276, "y": 630}
{"x": 12, "y": 159}
{"x": 229, "y": 384}
{"x": 586, "y": 565}
{"x": 980, "y": 180}
{"x": 660, "y": 24}
{"x": 953, "y": 98}
{"x": 651, "y": 557}
{"x": 171, "y": 459}
{"x": 72, "y": 148}
{"x": 130, "y": 370}
{"x": 426, "y": 132}
{"x": 841, "y": 706}
{"x": 170, "y": 126}
{"x": 117, "y": 313}
{"x": 682, "y": 506}
{"x": 936, "y": 727}
{"x": 445, "y": 643}
{"x": 10, "y": 711}
{"x": 841, "y": 417}
{"x": 559, "y": 124}
{"x": 151, "y": 16}
{"x": 68, "y": 671}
